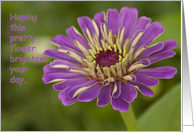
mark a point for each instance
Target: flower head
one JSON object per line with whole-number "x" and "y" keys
{"x": 110, "y": 64}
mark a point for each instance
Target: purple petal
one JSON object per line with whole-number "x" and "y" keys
{"x": 141, "y": 24}
{"x": 67, "y": 101}
{"x": 105, "y": 96}
{"x": 63, "y": 97}
{"x": 152, "y": 49}
{"x": 155, "y": 58}
{"x": 63, "y": 62}
{"x": 65, "y": 41}
{"x": 148, "y": 81}
{"x": 127, "y": 19}
{"x": 63, "y": 93}
{"x": 58, "y": 55}
{"x": 165, "y": 72}
{"x": 112, "y": 20}
{"x": 75, "y": 36}
{"x": 143, "y": 89}
{"x": 86, "y": 22}
{"x": 128, "y": 92}
{"x": 120, "y": 104}
{"x": 97, "y": 21}
{"x": 151, "y": 32}
{"x": 144, "y": 61}
{"x": 168, "y": 45}
{"x": 70, "y": 82}
{"x": 100, "y": 16}
{"x": 74, "y": 89}
{"x": 118, "y": 92}
{"x": 47, "y": 69}
{"x": 52, "y": 76}
{"x": 69, "y": 49}
{"x": 90, "y": 94}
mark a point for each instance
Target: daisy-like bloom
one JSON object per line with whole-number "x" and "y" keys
{"x": 110, "y": 64}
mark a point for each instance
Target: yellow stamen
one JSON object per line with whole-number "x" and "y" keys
{"x": 89, "y": 58}
{"x": 92, "y": 53}
{"x": 120, "y": 58}
{"x": 127, "y": 59}
{"x": 131, "y": 56}
{"x": 101, "y": 75}
{"x": 109, "y": 47}
{"x": 126, "y": 43}
{"x": 138, "y": 52}
{"x": 105, "y": 30}
{"x": 124, "y": 53}
{"x": 97, "y": 48}
{"x": 72, "y": 54}
{"x": 94, "y": 63}
{"x": 118, "y": 46}
{"x": 103, "y": 45}
{"x": 79, "y": 45}
{"x": 85, "y": 53}
{"x": 128, "y": 77}
{"x": 120, "y": 63}
{"x": 95, "y": 27}
{"x": 57, "y": 80}
{"x": 110, "y": 33}
{"x": 107, "y": 72}
{"x": 115, "y": 66}
{"x": 79, "y": 71}
{"x": 121, "y": 35}
{"x": 115, "y": 89}
{"x": 123, "y": 60}
{"x": 90, "y": 72}
{"x": 84, "y": 62}
{"x": 107, "y": 81}
{"x": 60, "y": 66}
{"x": 82, "y": 90}
{"x": 104, "y": 71}
{"x": 113, "y": 70}
{"x": 119, "y": 70}
{"x": 136, "y": 67}
{"x": 115, "y": 48}
{"x": 96, "y": 40}
{"x": 91, "y": 67}
{"x": 100, "y": 49}
{"x": 89, "y": 36}
{"x": 102, "y": 31}
{"x": 110, "y": 41}
{"x": 124, "y": 67}
{"x": 98, "y": 69}
{"x": 92, "y": 48}
{"x": 136, "y": 39}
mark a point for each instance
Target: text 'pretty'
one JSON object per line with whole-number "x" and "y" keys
{"x": 22, "y": 38}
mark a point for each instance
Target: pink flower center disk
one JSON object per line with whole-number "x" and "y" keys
{"x": 107, "y": 58}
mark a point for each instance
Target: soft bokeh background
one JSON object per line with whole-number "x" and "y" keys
{"x": 35, "y": 105}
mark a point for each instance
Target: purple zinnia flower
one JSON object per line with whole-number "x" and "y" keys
{"x": 110, "y": 63}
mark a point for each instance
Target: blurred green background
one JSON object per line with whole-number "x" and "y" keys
{"x": 35, "y": 105}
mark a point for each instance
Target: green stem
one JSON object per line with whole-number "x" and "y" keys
{"x": 129, "y": 119}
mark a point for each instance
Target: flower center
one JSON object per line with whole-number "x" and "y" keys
{"x": 110, "y": 59}
{"x": 107, "y": 58}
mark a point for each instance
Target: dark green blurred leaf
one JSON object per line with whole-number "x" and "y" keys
{"x": 164, "y": 114}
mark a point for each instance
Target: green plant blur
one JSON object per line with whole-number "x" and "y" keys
{"x": 35, "y": 106}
